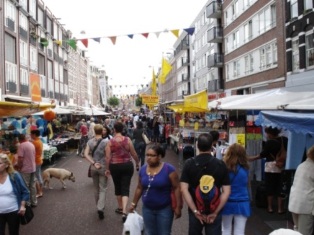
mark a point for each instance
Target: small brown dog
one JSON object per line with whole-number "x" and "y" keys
{"x": 58, "y": 173}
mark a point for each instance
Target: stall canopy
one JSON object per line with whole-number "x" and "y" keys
{"x": 94, "y": 112}
{"x": 57, "y": 110}
{"x": 192, "y": 103}
{"x": 13, "y": 109}
{"x": 300, "y": 127}
{"x": 275, "y": 99}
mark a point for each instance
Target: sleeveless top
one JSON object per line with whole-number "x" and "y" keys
{"x": 120, "y": 151}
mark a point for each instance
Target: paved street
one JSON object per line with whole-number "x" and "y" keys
{"x": 73, "y": 211}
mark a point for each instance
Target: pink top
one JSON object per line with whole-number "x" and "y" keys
{"x": 26, "y": 150}
{"x": 120, "y": 151}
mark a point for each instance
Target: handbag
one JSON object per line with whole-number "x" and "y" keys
{"x": 145, "y": 138}
{"x": 89, "y": 172}
{"x": 271, "y": 167}
{"x": 28, "y": 215}
{"x": 174, "y": 202}
{"x": 134, "y": 224}
{"x": 281, "y": 156}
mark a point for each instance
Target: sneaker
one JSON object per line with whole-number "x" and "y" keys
{"x": 101, "y": 215}
{"x": 77, "y": 152}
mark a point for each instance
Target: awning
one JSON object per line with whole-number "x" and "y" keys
{"x": 181, "y": 108}
{"x": 57, "y": 110}
{"x": 269, "y": 100}
{"x": 13, "y": 109}
{"x": 294, "y": 122}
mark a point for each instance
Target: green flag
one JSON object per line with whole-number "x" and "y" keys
{"x": 72, "y": 43}
{"x": 44, "y": 42}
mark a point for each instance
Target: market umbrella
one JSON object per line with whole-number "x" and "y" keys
{"x": 57, "y": 110}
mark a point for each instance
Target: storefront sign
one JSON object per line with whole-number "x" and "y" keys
{"x": 35, "y": 87}
{"x": 150, "y": 99}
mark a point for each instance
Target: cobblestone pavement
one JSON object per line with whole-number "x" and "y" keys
{"x": 73, "y": 210}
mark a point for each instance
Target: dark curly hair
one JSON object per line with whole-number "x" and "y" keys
{"x": 158, "y": 150}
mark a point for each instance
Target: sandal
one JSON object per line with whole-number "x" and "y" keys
{"x": 118, "y": 211}
{"x": 124, "y": 216}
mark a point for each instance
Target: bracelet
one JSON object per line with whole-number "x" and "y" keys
{"x": 195, "y": 211}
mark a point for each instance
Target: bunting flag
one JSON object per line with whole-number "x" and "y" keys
{"x": 157, "y": 34}
{"x": 113, "y": 40}
{"x": 72, "y": 43}
{"x": 58, "y": 42}
{"x": 154, "y": 85}
{"x": 145, "y": 34}
{"x": 44, "y": 42}
{"x": 165, "y": 69}
{"x": 85, "y": 42}
{"x": 96, "y": 39}
{"x": 130, "y": 36}
{"x": 175, "y": 32}
{"x": 190, "y": 31}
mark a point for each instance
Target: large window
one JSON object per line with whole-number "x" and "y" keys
{"x": 50, "y": 69}
{"x": 41, "y": 17}
{"x": 23, "y": 21}
{"x": 32, "y": 8}
{"x": 23, "y": 53}
{"x": 33, "y": 58}
{"x": 309, "y": 50}
{"x": 24, "y": 77}
{"x": 49, "y": 26}
{"x": 295, "y": 55}
{"x": 10, "y": 49}
{"x": 294, "y": 8}
{"x": 248, "y": 31}
{"x": 236, "y": 39}
{"x": 236, "y": 68}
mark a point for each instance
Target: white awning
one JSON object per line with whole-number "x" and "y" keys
{"x": 269, "y": 100}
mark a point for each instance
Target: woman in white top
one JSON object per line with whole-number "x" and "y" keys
{"x": 13, "y": 196}
{"x": 301, "y": 202}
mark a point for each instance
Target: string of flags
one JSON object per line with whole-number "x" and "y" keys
{"x": 72, "y": 42}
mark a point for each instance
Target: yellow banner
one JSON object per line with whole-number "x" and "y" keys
{"x": 241, "y": 139}
{"x": 35, "y": 87}
{"x": 198, "y": 100}
{"x": 150, "y": 99}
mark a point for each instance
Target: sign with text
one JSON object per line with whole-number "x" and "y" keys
{"x": 150, "y": 99}
{"x": 35, "y": 87}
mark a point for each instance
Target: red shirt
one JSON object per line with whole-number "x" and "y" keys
{"x": 84, "y": 130}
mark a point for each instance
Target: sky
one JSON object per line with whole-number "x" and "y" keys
{"x": 130, "y": 61}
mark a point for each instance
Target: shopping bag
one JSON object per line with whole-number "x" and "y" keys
{"x": 134, "y": 224}
{"x": 145, "y": 138}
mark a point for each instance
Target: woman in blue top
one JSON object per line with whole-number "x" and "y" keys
{"x": 156, "y": 180}
{"x": 13, "y": 196}
{"x": 237, "y": 208}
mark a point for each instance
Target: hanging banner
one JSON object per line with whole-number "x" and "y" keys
{"x": 35, "y": 87}
{"x": 150, "y": 99}
{"x": 102, "y": 88}
{"x": 198, "y": 100}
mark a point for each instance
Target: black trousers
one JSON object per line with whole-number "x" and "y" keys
{"x": 13, "y": 221}
{"x": 121, "y": 175}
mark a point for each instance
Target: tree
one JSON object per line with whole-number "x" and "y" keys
{"x": 113, "y": 101}
{"x": 138, "y": 102}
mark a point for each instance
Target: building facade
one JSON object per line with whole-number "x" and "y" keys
{"x": 299, "y": 19}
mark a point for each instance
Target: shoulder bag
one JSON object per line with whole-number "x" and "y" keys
{"x": 145, "y": 138}
{"x": 28, "y": 215}
{"x": 89, "y": 174}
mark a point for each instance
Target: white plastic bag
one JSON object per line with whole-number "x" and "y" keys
{"x": 134, "y": 224}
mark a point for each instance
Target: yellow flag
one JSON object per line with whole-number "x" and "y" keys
{"x": 175, "y": 32}
{"x": 154, "y": 85}
{"x": 165, "y": 69}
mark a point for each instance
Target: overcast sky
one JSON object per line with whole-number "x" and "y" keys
{"x": 129, "y": 61}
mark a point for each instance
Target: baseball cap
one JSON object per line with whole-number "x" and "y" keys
{"x": 206, "y": 183}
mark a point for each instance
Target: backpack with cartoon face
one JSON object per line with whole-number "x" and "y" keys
{"x": 207, "y": 194}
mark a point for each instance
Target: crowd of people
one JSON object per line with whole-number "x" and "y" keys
{"x": 117, "y": 148}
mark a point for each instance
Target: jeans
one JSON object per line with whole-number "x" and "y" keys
{"x": 13, "y": 221}
{"x": 38, "y": 175}
{"x": 158, "y": 222}
{"x": 29, "y": 179}
{"x": 140, "y": 150}
{"x": 196, "y": 228}
{"x": 100, "y": 186}
{"x": 239, "y": 222}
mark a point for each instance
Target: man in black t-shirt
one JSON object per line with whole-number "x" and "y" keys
{"x": 190, "y": 180}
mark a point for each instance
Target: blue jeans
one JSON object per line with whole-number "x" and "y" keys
{"x": 140, "y": 150}
{"x": 196, "y": 228}
{"x": 158, "y": 222}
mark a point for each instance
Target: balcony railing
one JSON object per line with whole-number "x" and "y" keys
{"x": 215, "y": 60}
{"x": 214, "y": 35}
{"x": 24, "y": 89}
{"x": 10, "y": 24}
{"x": 43, "y": 92}
{"x": 214, "y": 9}
{"x": 23, "y": 33}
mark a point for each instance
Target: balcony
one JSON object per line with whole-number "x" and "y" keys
{"x": 214, "y": 85}
{"x": 214, "y": 10}
{"x": 214, "y": 35}
{"x": 215, "y": 60}
{"x": 11, "y": 87}
{"x": 23, "y": 33}
{"x": 10, "y": 24}
{"x": 184, "y": 77}
{"x": 184, "y": 61}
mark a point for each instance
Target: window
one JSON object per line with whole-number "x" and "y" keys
{"x": 43, "y": 85}
{"x": 295, "y": 55}
{"x": 248, "y": 31}
{"x": 262, "y": 58}
{"x": 274, "y": 49}
{"x": 23, "y": 4}
{"x": 50, "y": 69}
{"x": 236, "y": 68}
{"x": 308, "y": 4}
{"x": 23, "y": 21}
{"x": 23, "y": 53}
{"x": 294, "y": 8}
{"x": 33, "y": 58}
{"x": 227, "y": 72}
{"x": 236, "y": 39}
{"x": 10, "y": 15}
{"x": 24, "y": 77}
{"x": 309, "y": 46}
{"x": 41, "y": 64}
{"x": 235, "y": 9}
{"x": 247, "y": 64}
{"x": 273, "y": 15}
{"x": 49, "y": 26}
{"x": 261, "y": 17}
{"x": 56, "y": 71}
{"x": 251, "y": 63}
{"x": 10, "y": 49}
{"x": 32, "y": 8}
{"x": 40, "y": 17}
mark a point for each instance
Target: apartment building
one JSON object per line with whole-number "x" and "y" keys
{"x": 254, "y": 44}
{"x": 299, "y": 19}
